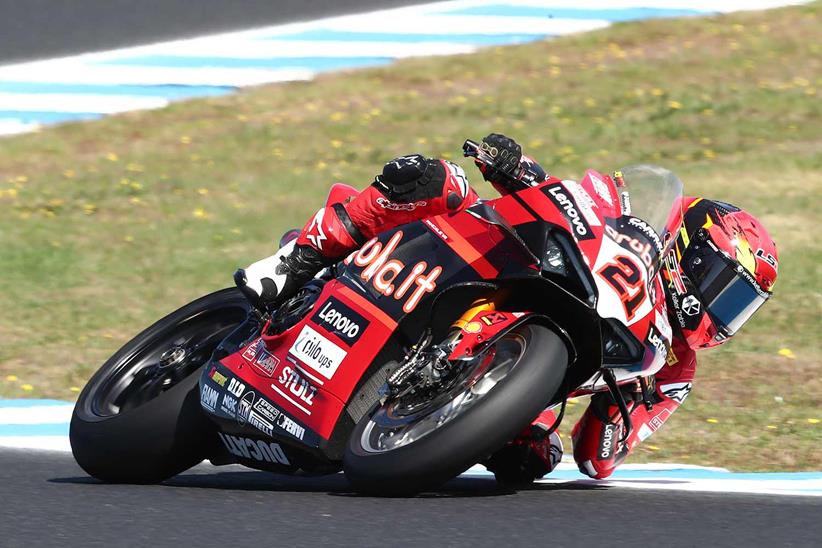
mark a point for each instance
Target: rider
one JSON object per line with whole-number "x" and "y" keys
{"x": 721, "y": 269}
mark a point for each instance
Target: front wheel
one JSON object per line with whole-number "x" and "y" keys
{"x": 407, "y": 445}
{"x": 138, "y": 420}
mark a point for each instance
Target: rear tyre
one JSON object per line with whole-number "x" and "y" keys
{"x": 138, "y": 420}
{"x": 392, "y": 453}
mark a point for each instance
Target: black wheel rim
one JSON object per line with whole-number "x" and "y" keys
{"x": 164, "y": 359}
{"x": 396, "y": 425}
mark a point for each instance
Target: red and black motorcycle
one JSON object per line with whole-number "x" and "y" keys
{"x": 416, "y": 357}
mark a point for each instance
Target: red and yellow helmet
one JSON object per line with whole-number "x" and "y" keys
{"x": 721, "y": 269}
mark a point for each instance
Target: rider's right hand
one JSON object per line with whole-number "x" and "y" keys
{"x": 506, "y": 154}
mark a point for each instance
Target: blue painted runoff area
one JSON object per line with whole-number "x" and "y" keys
{"x": 311, "y": 63}
{"x": 607, "y": 14}
{"x": 30, "y": 402}
{"x": 45, "y": 429}
{"x": 48, "y": 117}
{"x": 350, "y": 36}
{"x": 166, "y": 91}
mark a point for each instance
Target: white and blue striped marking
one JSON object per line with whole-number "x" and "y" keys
{"x": 44, "y": 425}
{"x": 92, "y": 85}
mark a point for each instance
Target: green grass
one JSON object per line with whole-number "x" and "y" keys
{"x": 106, "y": 226}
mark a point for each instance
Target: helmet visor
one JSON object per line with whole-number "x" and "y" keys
{"x": 728, "y": 292}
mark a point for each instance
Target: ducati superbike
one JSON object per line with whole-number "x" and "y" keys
{"x": 417, "y": 356}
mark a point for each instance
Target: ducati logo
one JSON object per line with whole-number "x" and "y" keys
{"x": 690, "y": 305}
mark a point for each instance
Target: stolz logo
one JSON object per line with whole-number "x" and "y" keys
{"x": 342, "y": 321}
{"x": 317, "y": 352}
{"x": 258, "y": 450}
{"x": 580, "y": 228}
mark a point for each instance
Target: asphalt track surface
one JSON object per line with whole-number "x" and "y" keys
{"x": 35, "y": 29}
{"x": 48, "y": 501}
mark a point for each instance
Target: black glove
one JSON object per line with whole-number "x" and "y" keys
{"x": 506, "y": 154}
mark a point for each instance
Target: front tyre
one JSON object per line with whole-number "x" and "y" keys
{"x": 138, "y": 420}
{"x": 402, "y": 448}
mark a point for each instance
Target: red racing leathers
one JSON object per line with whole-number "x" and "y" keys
{"x": 351, "y": 218}
{"x": 596, "y": 435}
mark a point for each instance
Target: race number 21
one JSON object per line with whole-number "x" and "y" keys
{"x": 626, "y": 278}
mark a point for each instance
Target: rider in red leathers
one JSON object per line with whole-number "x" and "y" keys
{"x": 720, "y": 271}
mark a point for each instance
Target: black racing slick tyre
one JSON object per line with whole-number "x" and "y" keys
{"x": 138, "y": 420}
{"x": 400, "y": 452}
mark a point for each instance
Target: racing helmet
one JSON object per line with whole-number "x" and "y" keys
{"x": 721, "y": 269}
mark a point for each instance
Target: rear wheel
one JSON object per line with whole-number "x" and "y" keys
{"x": 138, "y": 420}
{"x": 405, "y": 445}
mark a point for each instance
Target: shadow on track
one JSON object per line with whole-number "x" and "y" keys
{"x": 335, "y": 485}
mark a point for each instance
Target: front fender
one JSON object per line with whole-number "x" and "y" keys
{"x": 486, "y": 326}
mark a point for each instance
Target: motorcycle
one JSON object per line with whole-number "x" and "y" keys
{"x": 415, "y": 357}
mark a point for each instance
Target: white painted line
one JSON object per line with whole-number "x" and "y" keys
{"x": 10, "y": 126}
{"x": 45, "y": 443}
{"x": 288, "y": 49}
{"x": 45, "y": 414}
{"x": 74, "y": 72}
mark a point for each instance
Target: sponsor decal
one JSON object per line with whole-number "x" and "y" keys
{"x": 680, "y": 318}
{"x": 661, "y": 322}
{"x": 290, "y": 425}
{"x": 646, "y": 229}
{"x": 750, "y": 279}
{"x": 584, "y": 201}
{"x": 638, "y": 247}
{"x": 601, "y": 189}
{"x": 317, "y": 352}
{"x": 435, "y": 229}
{"x": 229, "y": 405}
{"x": 608, "y": 440}
{"x": 260, "y": 423}
{"x": 208, "y": 397}
{"x": 385, "y": 203}
{"x": 643, "y": 433}
{"x": 493, "y": 318}
{"x": 250, "y": 351}
{"x": 315, "y": 232}
{"x": 625, "y": 203}
{"x": 259, "y": 450}
{"x": 691, "y": 305}
{"x": 579, "y": 226}
{"x": 768, "y": 258}
{"x": 216, "y": 376}
{"x": 655, "y": 339}
{"x": 236, "y": 387}
{"x": 244, "y": 407}
{"x": 677, "y": 391}
{"x": 267, "y": 410}
{"x": 656, "y": 422}
{"x": 671, "y": 359}
{"x": 297, "y": 386}
{"x": 265, "y": 362}
{"x": 341, "y": 320}
{"x": 472, "y": 327}
{"x": 384, "y": 273}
